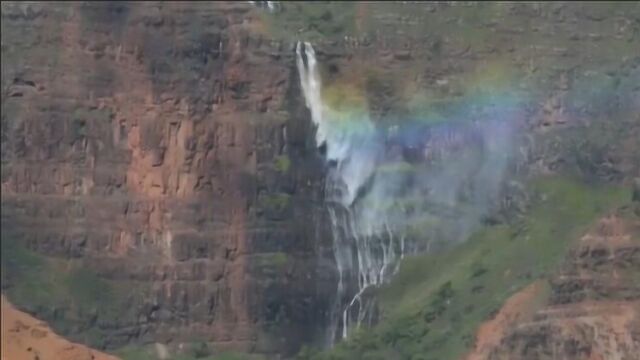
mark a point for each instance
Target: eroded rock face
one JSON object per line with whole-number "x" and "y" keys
{"x": 142, "y": 140}
{"x": 592, "y": 311}
{"x": 166, "y": 146}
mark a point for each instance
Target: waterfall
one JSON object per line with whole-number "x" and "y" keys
{"x": 421, "y": 184}
{"x": 272, "y": 6}
{"x": 363, "y": 244}
{"x": 351, "y": 147}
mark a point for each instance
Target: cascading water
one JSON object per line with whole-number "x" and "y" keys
{"x": 363, "y": 240}
{"x": 385, "y": 185}
{"x": 272, "y": 6}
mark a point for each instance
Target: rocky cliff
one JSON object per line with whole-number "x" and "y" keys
{"x": 160, "y": 148}
{"x": 161, "y": 182}
{"x": 590, "y": 310}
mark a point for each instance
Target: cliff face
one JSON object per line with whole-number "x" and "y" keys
{"x": 158, "y": 146}
{"x": 161, "y": 183}
{"x": 591, "y": 308}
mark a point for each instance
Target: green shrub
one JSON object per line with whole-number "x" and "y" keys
{"x": 282, "y": 163}
{"x": 200, "y": 350}
{"x": 276, "y": 202}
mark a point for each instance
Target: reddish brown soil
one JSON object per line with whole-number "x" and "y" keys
{"x": 26, "y": 338}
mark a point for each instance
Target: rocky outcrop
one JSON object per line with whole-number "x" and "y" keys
{"x": 159, "y": 145}
{"x": 591, "y": 312}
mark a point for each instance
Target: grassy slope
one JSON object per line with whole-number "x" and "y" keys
{"x": 62, "y": 292}
{"x": 435, "y": 303}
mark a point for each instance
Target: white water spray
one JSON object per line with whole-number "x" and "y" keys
{"x": 378, "y": 212}
{"x": 364, "y": 247}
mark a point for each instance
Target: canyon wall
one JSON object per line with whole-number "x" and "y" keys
{"x": 163, "y": 148}
{"x": 160, "y": 177}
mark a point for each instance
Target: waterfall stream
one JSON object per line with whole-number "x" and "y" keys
{"x": 364, "y": 246}
{"x": 396, "y": 190}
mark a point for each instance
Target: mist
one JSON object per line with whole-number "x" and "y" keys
{"x": 406, "y": 188}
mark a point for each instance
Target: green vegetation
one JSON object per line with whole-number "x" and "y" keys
{"x": 311, "y": 20}
{"x": 136, "y": 353}
{"x": 200, "y": 350}
{"x": 62, "y": 292}
{"x": 86, "y": 287}
{"x": 397, "y": 167}
{"x": 598, "y": 152}
{"x": 237, "y": 356}
{"x": 345, "y": 98}
{"x": 95, "y": 115}
{"x": 82, "y": 119}
{"x": 277, "y": 259}
{"x": 282, "y": 163}
{"x": 195, "y": 351}
{"x": 270, "y": 264}
{"x": 435, "y": 303}
{"x": 27, "y": 275}
{"x": 513, "y": 59}
{"x": 276, "y": 203}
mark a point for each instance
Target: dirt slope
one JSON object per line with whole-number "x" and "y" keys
{"x": 26, "y": 338}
